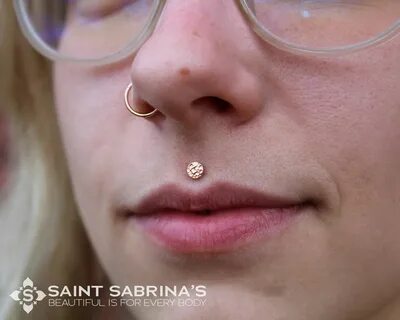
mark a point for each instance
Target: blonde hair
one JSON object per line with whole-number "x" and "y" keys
{"x": 41, "y": 235}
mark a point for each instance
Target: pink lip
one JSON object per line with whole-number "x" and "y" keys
{"x": 222, "y": 230}
{"x": 220, "y": 218}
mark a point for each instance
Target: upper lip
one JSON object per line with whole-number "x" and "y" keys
{"x": 218, "y": 196}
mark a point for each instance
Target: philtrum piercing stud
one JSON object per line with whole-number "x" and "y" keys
{"x": 195, "y": 170}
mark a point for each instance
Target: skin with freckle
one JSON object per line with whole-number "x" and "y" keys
{"x": 323, "y": 129}
{"x": 184, "y": 71}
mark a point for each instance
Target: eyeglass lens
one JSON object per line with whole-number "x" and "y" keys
{"x": 94, "y": 29}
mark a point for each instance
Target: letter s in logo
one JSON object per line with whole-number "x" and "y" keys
{"x": 28, "y": 295}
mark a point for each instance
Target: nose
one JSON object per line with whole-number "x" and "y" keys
{"x": 196, "y": 64}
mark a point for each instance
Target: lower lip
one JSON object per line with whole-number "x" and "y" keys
{"x": 219, "y": 231}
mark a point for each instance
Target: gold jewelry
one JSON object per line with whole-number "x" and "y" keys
{"x": 129, "y": 107}
{"x": 195, "y": 170}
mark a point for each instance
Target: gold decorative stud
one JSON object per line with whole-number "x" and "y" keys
{"x": 195, "y": 170}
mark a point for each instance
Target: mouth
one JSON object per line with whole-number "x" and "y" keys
{"x": 220, "y": 218}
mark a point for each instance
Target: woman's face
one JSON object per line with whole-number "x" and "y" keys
{"x": 321, "y": 133}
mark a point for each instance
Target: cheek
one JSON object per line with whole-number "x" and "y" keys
{"x": 90, "y": 109}
{"x": 351, "y": 122}
{"x": 92, "y": 118}
{"x": 348, "y": 109}
{"x": 355, "y": 127}
{"x": 103, "y": 143}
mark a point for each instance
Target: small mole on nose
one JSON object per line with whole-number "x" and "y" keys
{"x": 184, "y": 71}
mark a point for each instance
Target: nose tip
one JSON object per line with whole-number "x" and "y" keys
{"x": 190, "y": 72}
{"x": 187, "y": 92}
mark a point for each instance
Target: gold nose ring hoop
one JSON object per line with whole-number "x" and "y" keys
{"x": 131, "y": 109}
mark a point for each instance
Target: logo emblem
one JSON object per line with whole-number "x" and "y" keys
{"x": 28, "y": 295}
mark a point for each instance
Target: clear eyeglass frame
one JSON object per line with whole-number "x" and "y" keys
{"x": 155, "y": 13}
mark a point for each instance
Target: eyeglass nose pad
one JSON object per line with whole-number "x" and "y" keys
{"x": 130, "y": 108}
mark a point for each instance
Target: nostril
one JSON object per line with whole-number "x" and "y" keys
{"x": 142, "y": 106}
{"x": 218, "y": 104}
